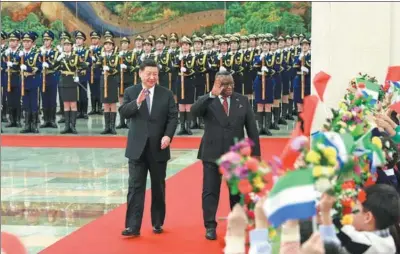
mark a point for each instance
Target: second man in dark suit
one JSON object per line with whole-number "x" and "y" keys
{"x": 226, "y": 114}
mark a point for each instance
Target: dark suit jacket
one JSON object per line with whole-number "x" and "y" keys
{"x": 142, "y": 126}
{"x": 220, "y": 130}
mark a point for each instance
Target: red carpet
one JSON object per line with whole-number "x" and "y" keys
{"x": 184, "y": 230}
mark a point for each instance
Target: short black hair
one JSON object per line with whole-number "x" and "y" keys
{"x": 148, "y": 63}
{"x": 383, "y": 202}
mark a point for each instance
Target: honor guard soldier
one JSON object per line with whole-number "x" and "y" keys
{"x": 238, "y": 65}
{"x": 83, "y": 73}
{"x": 249, "y": 74}
{"x": 50, "y": 79}
{"x": 165, "y": 39}
{"x": 63, "y": 35}
{"x": 291, "y": 73}
{"x": 295, "y": 52}
{"x": 201, "y": 68}
{"x": 223, "y": 61}
{"x": 264, "y": 84}
{"x": 138, "y": 51}
{"x": 69, "y": 64}
{"x": 164, "y": 61}
{"x": 3, "y": 77}
{"x": 95, "y": 73}
{"x": 185, "y": 85}
{"x": 278, "y": 68}
{"x": 11, "y": 64}
{"x": 31, "y": 68}
{"x": 302, "y": 82}
{"x": 285, "y": 75}
{"x": 128, "y": 66}
{"x": 210, "y": 53}
{"x": 217, "y": 39}
{"x": 147, "y": 53}
{"x": 151, "y": 39}
{"x": 174, "y": 51}
{"x": 110, "y": 35}
{"x": 109, "y": 85}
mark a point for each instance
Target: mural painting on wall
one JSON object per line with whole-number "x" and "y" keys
{"x": 154, "y": 18}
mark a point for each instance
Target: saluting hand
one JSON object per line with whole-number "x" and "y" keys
{"x": 217, "y": 88}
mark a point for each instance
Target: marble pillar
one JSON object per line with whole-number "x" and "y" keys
{"x": 348, "y": 38}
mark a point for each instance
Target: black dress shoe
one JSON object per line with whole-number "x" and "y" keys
{"x": 157, "y": 230}
{"x": 130, "y": 232}
{"x": 211, "y": 234}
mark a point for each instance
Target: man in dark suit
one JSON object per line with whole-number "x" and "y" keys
{"x": 153, "y": 119}
{"x": 225, "y": 115}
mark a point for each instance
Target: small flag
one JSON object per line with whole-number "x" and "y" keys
{"x": 320, "y": 83}
{"x": 393, "y": 74}
{"x": 292, "y": 197}
{"x": 310, "y": 105}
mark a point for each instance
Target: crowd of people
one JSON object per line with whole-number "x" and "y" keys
{"x": 272, "y": 71}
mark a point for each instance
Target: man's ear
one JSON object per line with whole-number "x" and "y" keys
{"x": 369, "y": 218}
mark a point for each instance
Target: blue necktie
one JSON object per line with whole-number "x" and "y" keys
{"x": 148, "y": 100}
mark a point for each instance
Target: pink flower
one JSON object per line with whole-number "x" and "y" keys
{"x": 232, "y": 157}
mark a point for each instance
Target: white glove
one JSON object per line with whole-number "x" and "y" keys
{"x": 141, "y": 57}
{"x": 304, "y": 69}
{"x": 10, "y": 64}
{"x": 156, "y": 53}
{"x": 264, "y": 69}
{"x": 60, "y": 57}
{"x": 93, "y": 59}
{"x": 183, "y": 69}
{"x": 43, "y": 51}
{"x": 301, "y": 55}
{"x": 180, "y": 56}
{"x": 106, "y": 68}
{"x": 103, "y": 54}
{"x": 45, "y": 65}
{"x": 160, "y": 66}
{"x": 23, "y": 67}
{"x": 121, "y": 53}
{"x": 21, "y": 54}
{"x": 262, "y": 56}
{"x": 76, "y": 79}
{"x": 7, "y": 52}
{"x": 206, "y": 52}
{"x": 123, "y": 66}
{"x": 134, "y": 50}
{"x": 219, "y": 56}
{"x": 59, "y": 48}
{"x": 73, "y": 46}
{"x": 169, "y": 51}
{"x": 222, "y": 68}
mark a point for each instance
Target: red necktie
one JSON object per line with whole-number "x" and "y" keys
{"x": 225, "y": 104}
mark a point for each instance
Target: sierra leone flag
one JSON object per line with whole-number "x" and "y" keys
{"x": 292, "y": 198}
{"x": 369, "y": 88}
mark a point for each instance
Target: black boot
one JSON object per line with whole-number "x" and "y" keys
{"x": 85, "y": 110}
{"x": 79, "y": 114}
{"x": 52, "y": 117}
{"x": 99, "y": 110}
{"x": 122, "y": 124}
{"x": 62, "y": 119}
{"x": 267, "y": 123}
{"x": 73, "y": 115}
{"x": 4, "y": 113}
{"x": 46, "y": 118}
{"x": 61, "y": 112}
{"x": 18, "y": 114}
{"x": 34, "y": 122}
{"x": 261, "y": 116}
{"x": 13, "y": 118}
{"x": 193, "y": 124}
{"x": 113, "y": 116}
{"x": 295, "y": 110}
{"x": 106, "y": 124}
{"x": 67, "y": 121}
{"x": 27, "y": 123}
{"x": 289, "y": 115}
{"x": 93, "y": 103}
{"x": 182, "y": 117}
{"x": 274, "y": 123}
{"x": 281, "y": 111}
{"x": 188, "y": 121}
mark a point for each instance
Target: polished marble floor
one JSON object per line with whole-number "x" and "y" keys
{"x": 94, "y": 125}
{"x": 47, "y": 193}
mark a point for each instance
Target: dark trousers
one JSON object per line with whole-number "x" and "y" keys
{"x": 211, "y": 191}
{"x": 137, "y": 188}
{"x": 30, "y": 101}
{"x": 49, "y": 97}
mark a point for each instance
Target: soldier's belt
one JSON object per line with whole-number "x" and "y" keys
{"x": 299, "y": 73}
{"x": 186, "y": 75}
{"x": 28, "y": 74}
{"x": 68, "y": 73}
{"x": 48, "y": 72}
{"x": 82, "y": 73}
{"x": 13, "y": 71}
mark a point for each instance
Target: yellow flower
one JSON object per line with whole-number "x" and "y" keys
{"x": 377, "y": 141}
{"x": 272, "y": 233}
{"x": 347, "y": 219}
{"x": 330, "y": 170}
{"x": 329, "y": 152}
{"x": 317, "y": 171}
{"x": 313, "y": 157}
{"x": 332, "y": 161}
{"x": 342, "y": 131}
{"x": 342, "y": 106}
{"x": 343, "y": 124}
{"x": 258, "y": 183}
